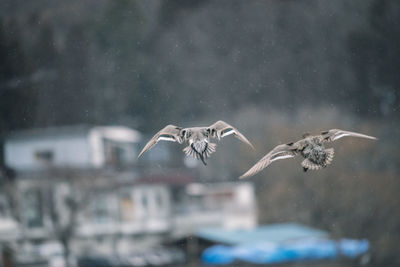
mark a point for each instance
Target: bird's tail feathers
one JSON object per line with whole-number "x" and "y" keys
{"x": 330, "y": 153}
{"x": 192, "y": 152}
{"x": 309, "y": 165}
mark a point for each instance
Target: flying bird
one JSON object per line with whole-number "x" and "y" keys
{"x": 197, "y": 138}
{"x": 311, "y": 147}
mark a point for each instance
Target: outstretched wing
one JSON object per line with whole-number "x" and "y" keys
{"x": 168, "y": 133}
{"x": 221, "y": 129}
{"x": 279, "y": 152}
{"x": 335, "y": 134}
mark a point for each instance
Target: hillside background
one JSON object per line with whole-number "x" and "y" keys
{"x": 274, "y": 69}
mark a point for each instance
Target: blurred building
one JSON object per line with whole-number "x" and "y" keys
{"x": 80, "y": 147}
{"x": 80, "y": 188}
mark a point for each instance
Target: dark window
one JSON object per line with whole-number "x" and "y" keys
{"x": 34, "y": 208}
{"x": 44, "y": 156}
{"x": 117, "y": 153}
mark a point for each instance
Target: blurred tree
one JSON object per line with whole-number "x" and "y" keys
{"x": 271, "y": 68}
{"x": 17, "y": 93}
{"x": 375, "y": 50}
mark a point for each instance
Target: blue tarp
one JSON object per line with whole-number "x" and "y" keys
{"x": 267, "y": 252}
{"x": 277, "y": 233}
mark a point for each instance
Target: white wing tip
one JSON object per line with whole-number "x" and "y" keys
{"x": 368, "y": 137}
{"x": 251, "y": 145}
{"x": 243, "y": 177}
{"x": 140, "y": 154}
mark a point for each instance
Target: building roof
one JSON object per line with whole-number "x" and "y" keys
{"x": 117, "y": 132}
{"x": 276, "y": 233}
{"x": 49, "y": 132}
{"x": 170, "y": 179}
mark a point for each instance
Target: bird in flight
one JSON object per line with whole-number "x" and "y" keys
{"x": 311, "y": 147}
{"x": 197, "y": 138}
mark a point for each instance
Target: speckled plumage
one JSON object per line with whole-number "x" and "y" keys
{"x": 311, "y": 148}
{"x": 197, "y": 138}
{"x": 315, "y": 154}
